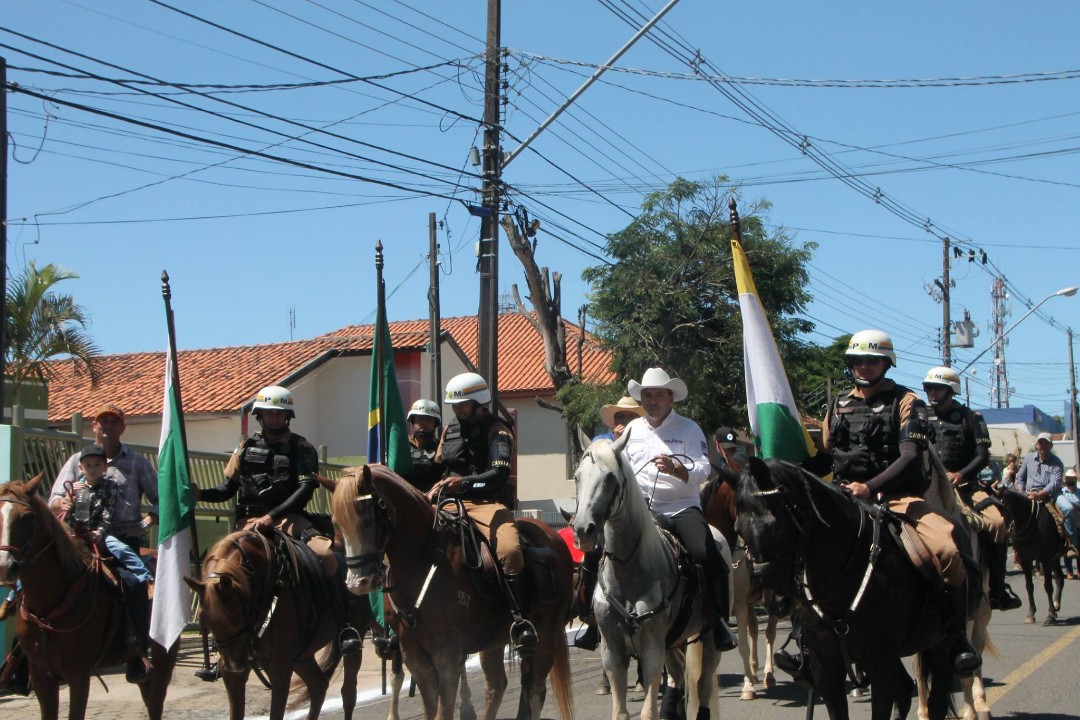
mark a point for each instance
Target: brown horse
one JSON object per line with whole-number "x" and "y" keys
{"x": 71, "y": 619}
{"x": 1036, "y": 539}
{"x": 442, "y": 610}
{"x": 266, "y": 602}
{"x": 718, "y": 503}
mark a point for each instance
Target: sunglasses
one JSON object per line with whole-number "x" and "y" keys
{"x": 865, "y": 360}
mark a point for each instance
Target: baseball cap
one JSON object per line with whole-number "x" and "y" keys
{"x": 109, "y": 409}
{"x": 726, "y": 437}
{"x": 1045, "y": 436}
{"x": 93, "y": 451}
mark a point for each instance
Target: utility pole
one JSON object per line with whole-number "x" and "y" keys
{"x": 946, "y": 322}
{"x": 999, "y": 383}
{"x": 488, "y": 315}
{"x": 3, "y": 229}
{"x": 434, "y": 313}
{"x": 1073, "y": 411}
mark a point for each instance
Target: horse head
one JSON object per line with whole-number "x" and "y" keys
{"x": 602, "y": 480}
{"x": 364, "y": 519}
{"x": 1021, "y": 511}
{"x": 768, "y": 522}
{"x": 18, "y": 525}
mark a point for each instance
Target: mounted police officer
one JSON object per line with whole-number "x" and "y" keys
{"x": 963, "y": 442}
{"x": 273, "y": 476}
{"x": 877, "y": 437}
{"x": 475, "y": 450}
{"x": 426, "y": 422}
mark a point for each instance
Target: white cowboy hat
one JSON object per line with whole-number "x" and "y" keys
{"x": 625, "y": 404}
{"x": 657, "y": 378}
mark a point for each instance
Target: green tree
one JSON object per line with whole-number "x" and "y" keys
{"x": 670, "y": 299}
{"x": 818, "y": 370}
{"x": 41, "y": 325}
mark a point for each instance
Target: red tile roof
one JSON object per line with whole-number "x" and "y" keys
{"x": 222, "y": 380}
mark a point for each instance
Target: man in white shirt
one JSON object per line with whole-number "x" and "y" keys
{"x": 671, "y": 458}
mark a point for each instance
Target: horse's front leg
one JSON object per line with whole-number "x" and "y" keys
{"x": 78, "y": 695}
{"x": 47, "y": 689}
{"x": 351, "y": 667}
{"x": 236, "y": 689}
{"x": 491, "y": 662}
{"x": 279, "y": 674}
{"x": 1029, "y": 585}
{"x": 616, "y": 661}
{"x": 770, "y": 643}
{"x": 827, "y": 670}
{"x": 316, "y": 683}
{"x": 466, "y": 711}
{"x": 650, "y": 643}
{"x": 1050, "y": 571}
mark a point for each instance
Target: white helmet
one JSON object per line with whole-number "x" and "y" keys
{"x": 871, "y": 342}
{"x": 274, "y": 397}
{"x": 424, "y": 408}
{"x": 467, "y": 386}
{"x": 943, "y": 376}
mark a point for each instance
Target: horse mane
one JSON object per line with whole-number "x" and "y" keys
{"x": 72, "y": 555}
{"x": 351, "y": 485}
{"x": 219, "y": 559}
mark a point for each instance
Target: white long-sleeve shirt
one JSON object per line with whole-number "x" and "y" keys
{"x": 676, "y": 436}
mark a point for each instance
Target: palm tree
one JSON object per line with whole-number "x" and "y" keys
{"x": 42, "y": 324}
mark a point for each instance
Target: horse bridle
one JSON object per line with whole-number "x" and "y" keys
{"x": 19, "y": 552}
{"x": 384, "y": 529}
{"x": 251, "y": 621}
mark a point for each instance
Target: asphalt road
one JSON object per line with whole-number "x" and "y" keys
{"x": 1034, "y": 675}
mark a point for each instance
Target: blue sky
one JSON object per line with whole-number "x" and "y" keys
{"x": 982, "y": 143}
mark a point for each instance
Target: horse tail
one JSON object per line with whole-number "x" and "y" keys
{"x": 560, "y": 678}
{"x": 934, "y": 668}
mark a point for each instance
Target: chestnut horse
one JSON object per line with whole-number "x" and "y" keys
{"x": 267, "y": 605}
{"x": 71, "y": 618}
{"x": 718, "y": 503}
{"x": 442, "y": 611}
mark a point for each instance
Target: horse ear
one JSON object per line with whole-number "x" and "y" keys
{"x": 567, "y": 515}
{"x": 583, "y": 440}
{"x": 198, "y": 586}
{"x": 759, "y": 470}
{"x": 619, "y": 444}
{"x": 32, "y": 485}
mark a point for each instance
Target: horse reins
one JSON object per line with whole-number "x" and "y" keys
{"x": 250, "y": 619}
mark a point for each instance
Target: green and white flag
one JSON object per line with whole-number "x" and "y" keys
{"x": 773, "y": 416}
{"x": 176, "y": 506}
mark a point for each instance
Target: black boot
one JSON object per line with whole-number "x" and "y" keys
{"x": 209, "y": 674}
{"x": 965, "y": 660}
{"x": 139, "y": 608}
{"x": 718, "y": 584}
{"x": 589, "y": 639}
{"x": 522, "y": 631}
{"x": 671, "y": 706}
{"x": 1001, "y": 595}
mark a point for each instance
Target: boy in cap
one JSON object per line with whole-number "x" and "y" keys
{"x": 95, "y": 502}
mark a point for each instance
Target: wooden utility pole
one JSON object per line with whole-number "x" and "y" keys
{"x": 434, "y": 313}
{"x": 3, "y": 228}
{"x": 488, "y": 315}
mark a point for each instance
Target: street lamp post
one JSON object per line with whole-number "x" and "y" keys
{"x": 1066, "y": 292}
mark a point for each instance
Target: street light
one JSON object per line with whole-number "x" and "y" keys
{"x": 1066, "y": 292}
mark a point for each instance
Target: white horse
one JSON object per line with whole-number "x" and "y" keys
{"x": 639, "y": 591}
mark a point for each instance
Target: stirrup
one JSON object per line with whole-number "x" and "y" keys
{"x": 349, "y": 640}
{"x": 385, "y": 647}
{"x": 138, "y": 670}
{"x": 209, "y": 674}
{"x": 523, "y": 635}
{"x": 723, "y": 638}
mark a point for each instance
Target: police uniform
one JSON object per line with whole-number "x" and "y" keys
{"x": 480, "y": 452}
{"x": 963, "y": 442}
{"x": 425, "y": 470}
{"x": 275, "y": 478}
{"x": 864, "y": 437}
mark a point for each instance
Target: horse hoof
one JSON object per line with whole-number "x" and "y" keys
{"x": 1052, "y": 620}
{"x": 603, "y": 690}
{"x": 1029, "y": 619}
{"x": 857, "y": 692}
{"x": 748, "y": 694}
{"x": 770, "y": 681}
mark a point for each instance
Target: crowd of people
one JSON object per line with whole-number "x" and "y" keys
{"x": 876, "y": 440}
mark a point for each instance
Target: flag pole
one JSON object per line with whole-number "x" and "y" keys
{"x": 736, "y": 226}
{"x": 166, "y": 294}
{"x": 380, "y": 318}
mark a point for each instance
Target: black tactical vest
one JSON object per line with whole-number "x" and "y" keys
{"x": 425, "y": 471}
{"x": 951, "y": 434}
{"x": 865, "y": 439}
{"x": 268, "y": 475}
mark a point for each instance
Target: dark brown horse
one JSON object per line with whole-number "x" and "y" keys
{"x": 718, "y": 503}
{"x": 266, "y": 602}
{"x": 1035, "y": 538}
{"x": 71, "y": 619}
{"x": 442, "y": 610}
